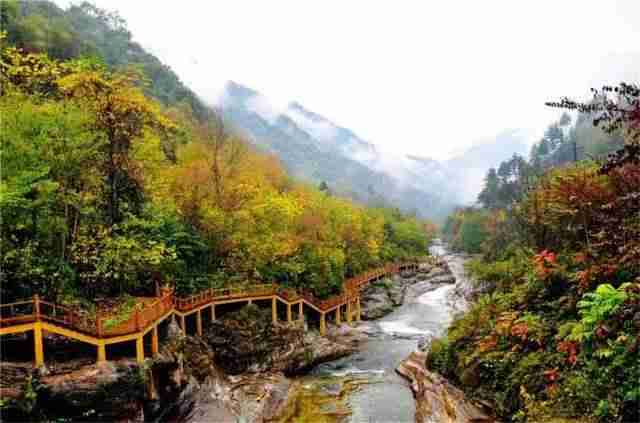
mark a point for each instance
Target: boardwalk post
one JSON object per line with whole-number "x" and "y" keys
{"x": 37, "y": 343}
{"x": 274, "y": 310}
{"x": 199, "y": 322}
{"x": 169, "y": 304}
{"x": 139, "y": 349}
{"x": 154, "y": 340}
{"x": 102, "y": 352}
{"x": 183, "y": 324}
{"x": 36, "y": 306}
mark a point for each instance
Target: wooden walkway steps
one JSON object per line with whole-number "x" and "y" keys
{"x": 37, "y": 315}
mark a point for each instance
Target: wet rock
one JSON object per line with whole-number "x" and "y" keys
{"x": 186, "y": 379}
{"x": 111, "y": 391}
{"x": 436, "y": 399}
{"x": 319, "y": 402}
{"x": 12, "y": 377}
{"x": 424, "y": 343}
{"x": 425, "y": 267}
{"x": 375, "y": 303}
{"x": 319, "y": 349}
{"x": 194, "y": 389}
{"x": 443, "y": 279}
{"x": 396, "y": 293}
{"x": 381, "y": 297}
{"x": 438, "y": 271}
{"x": 248, "y": 341}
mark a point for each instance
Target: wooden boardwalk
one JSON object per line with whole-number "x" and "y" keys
{"x": 37, "y": 315}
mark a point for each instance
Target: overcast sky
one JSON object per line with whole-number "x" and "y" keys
{"x": 419, "y": 77}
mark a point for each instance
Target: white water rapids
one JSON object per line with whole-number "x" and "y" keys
{"x": 427, "y": 311}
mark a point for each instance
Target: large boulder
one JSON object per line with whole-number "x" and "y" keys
{"x": 382, "y": 297}
{"x": 443, "y": 279}
{"x": 375, "y": 303}
{"x": 110, "y": 391}
{"x": 248, "y": 341}
{"x": 436, "y": 399}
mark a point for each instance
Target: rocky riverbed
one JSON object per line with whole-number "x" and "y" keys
{"x": 382, "y": 297}
{"x": 246, "y": 369}
{"x": 237, "y": 371}
{"x": 386, "y": 380}
{"x": 436, "y": 399}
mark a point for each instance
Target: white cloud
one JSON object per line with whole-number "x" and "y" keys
{"x": 422, "y": 78}
{"x": 321, "y": 130}
{"x": 264, "y": 108}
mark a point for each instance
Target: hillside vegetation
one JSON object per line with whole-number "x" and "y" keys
{"x": 555, "y": 330}
{"x": 84, "y": 30}
{"x": 113, "y": 181}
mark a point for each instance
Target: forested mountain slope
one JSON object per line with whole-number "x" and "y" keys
{"x": 555, "y": 331}
{"x": 316, "y": 149}
{"x": 84, "y": 30}
{"x": 110, "y": 186}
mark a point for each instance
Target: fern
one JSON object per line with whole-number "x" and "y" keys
{"x": 597, "y": 306}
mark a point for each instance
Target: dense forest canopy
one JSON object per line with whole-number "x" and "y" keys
{"x": 83, "y": 30}
{"x": 555, "y": 332}
{"x": 116, "y": 177}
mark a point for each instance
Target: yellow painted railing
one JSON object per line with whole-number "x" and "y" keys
{"x": 35, "y": 309}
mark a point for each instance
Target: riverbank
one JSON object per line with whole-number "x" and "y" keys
{"x": 190, "y": 379}
{"x": 365, "y": 386}
{"x": 437, "y": 400}
{"x": 252, "y": 375}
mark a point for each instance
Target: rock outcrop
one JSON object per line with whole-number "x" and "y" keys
{"x": 247, "y": 342}
{"x": 110, "y": 391}
{"x": 237, "y": 372}
{"x": 436, "y": 399}
{"x": 382, "y": 297}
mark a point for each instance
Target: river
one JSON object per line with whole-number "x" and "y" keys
{"x": 364, "y": 387}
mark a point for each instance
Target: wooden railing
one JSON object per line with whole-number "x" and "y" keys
{"x": 32, "y": 310}
{"x": 17, "y": 313}
{"x": 140, "y": 319}
{"x": 65, "y": 316}
{"x": 221, "y": 294}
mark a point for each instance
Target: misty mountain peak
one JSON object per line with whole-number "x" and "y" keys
{"x": 295, "y": 107}
{"x": 234, "y": 92}
{"x": 316, "y": 149}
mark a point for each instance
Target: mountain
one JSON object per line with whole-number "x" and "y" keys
{"x": 315, "y": 149}
{"x": 84, "y": 30}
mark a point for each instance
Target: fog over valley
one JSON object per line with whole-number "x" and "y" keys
{"x": 318, "y": 150}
